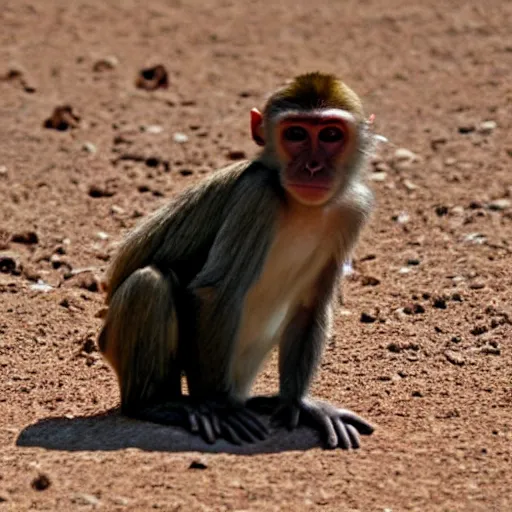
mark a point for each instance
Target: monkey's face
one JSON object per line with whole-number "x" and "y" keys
{"x": 313, "y": 149}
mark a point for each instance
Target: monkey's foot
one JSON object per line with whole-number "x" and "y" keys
{"x": 339, "y": 428}
{"x": 217, "y": 419}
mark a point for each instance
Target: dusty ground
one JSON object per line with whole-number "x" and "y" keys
{"x": 433, "y": 370}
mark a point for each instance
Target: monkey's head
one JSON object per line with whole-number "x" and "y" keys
{"x": 313, "y": 131}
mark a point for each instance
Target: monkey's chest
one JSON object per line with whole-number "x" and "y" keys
{"x": 297, "y": 256}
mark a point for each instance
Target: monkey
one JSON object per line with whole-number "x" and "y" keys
{"x": 246, "y": 261}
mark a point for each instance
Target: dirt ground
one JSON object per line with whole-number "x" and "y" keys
{"x": 430, "y": 365}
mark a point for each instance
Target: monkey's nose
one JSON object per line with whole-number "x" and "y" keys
{"x": 314, "y": 167}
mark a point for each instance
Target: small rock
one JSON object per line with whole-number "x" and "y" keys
{"x": 370, "y": 281}
{"x": 409, "y": 185}
{"x": 3, "y": 171}
{"x": 457, "y": 210}
{"x": 417, "y": 394}
{"x": 475, "y": 238}
{"x": 186, "y": 172}
{"x": 10, "y": 263}
{"x": 105, "y": 64}
{"x": 102, "y": 235}
{"x": 180, "y": 138}
{"x": 366, "y": 318}
{"x": 487, "y": 127}
{"x": 454, "y": 357}
{"x": 41, "y": 482}
{"x": 439, "y": 303}
{"x": 153, "y": 78}
{"x": 479, "y": 330}
{"x": 477, "y": 285}
{"x": 441, "y": 210}
{"x": 85, "y": 499}
{"x": 404, "y": 270}
{"x": 89, "y": 346}
{"x": 418, "y": 309}
{"x": 62, "y": 118}
{"x": 153, "y": 129}
{"x": 201, "y": 463}
{"x": 120, "y": 500}
{"x": 64, "y": 303}
{"x": 403, "y": 154}
{"x": 97, "y": 191}
{"x": 379, "y": 176}
{"x": 90, "y": 148}
{"x": 25, "y": 237}
{"x": 41, "y": 286}
{"x": 237, "y": 155}
{"x": 500, "y": 204}
{"x": 491, "y": 349}
{"x": 413, "y": 262}
{"x": 456, "y": 339}
{"x": 464, "y": 129}
{"x": 450, "y": 161}
{"x": 116, "y": 210}
{"x": 401, "y": 218}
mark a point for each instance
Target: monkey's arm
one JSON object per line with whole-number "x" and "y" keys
{"x": 178, "y": 233}
{"x": 299, "y": 357}
{"x": 234, "y": 263}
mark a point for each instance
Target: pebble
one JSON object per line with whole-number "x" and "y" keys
{"x": 366, "y": 318}
{"x": 89, "y": 147}
{"x": 41, "y": 482}
{"x": 62, "y": 118}
{"x": 116, "y": 210}
{"x": 454, "y": 357}
{"x": 466, "y": 128}
{"x": 409, "y": 185}
{"x": 404, "y": 270}
{"x": 401, "y": 218}
{"x": 106, "y": 63}
{"x": 475, "y": 238}
{"x": 180, "y": 138}
{"x": 85, "y": 499}
{"x": 10, "y": 263}
{"x": 477, "y": 285}
{"x": 450, "y": 161}
{"x": 97, "y": 191}
{"x": 500, "y": 204}
{"x": 3, "y": 170}
{"x": 41, "y": 286}
{"x": 237, "y": 155}
{"x": 25, "y": 237}
{"x": 379, "y": 176}
{"x": 487, "y": 127}
{"x": 201, "y": 463}
{"x": 439, "y": 303}
{"x": 102, "y": 235}
{"x": 152, "y": 78}
{"x": 153, "y": 129}
{"x": 370, "y": 281}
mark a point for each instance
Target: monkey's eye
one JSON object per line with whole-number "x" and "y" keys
{"x": 295, "y": 134}
{"x": 331, "y": 134}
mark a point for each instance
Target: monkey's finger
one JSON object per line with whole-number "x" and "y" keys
{"x": 192, "y": 421}
{"x": 354, "y": 436}
{"x": 325, "y": 424}
{"x": 294, "y": 416}
{"x": 215, "y": 423}
{"x": 361, "y": 425}
{"x": 243, "y": 432}
{"x": 344, "y": 440}
{"x": 229, "y": 434}
{"x": 206, "y": 429}
{"x": 254, "y": 423}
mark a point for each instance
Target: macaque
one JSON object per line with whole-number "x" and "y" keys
{"x": 246, "y": 261}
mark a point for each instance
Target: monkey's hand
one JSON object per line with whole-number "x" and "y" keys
{"x": 338, "y": 427}
{"x": 214, "y": 419}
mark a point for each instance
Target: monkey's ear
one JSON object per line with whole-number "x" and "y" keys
{"x": 257, "y": 127}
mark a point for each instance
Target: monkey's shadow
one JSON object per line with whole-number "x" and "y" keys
{"x": 112, "y": 431}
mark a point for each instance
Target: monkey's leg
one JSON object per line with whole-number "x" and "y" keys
{"x": 140, "y": 340}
